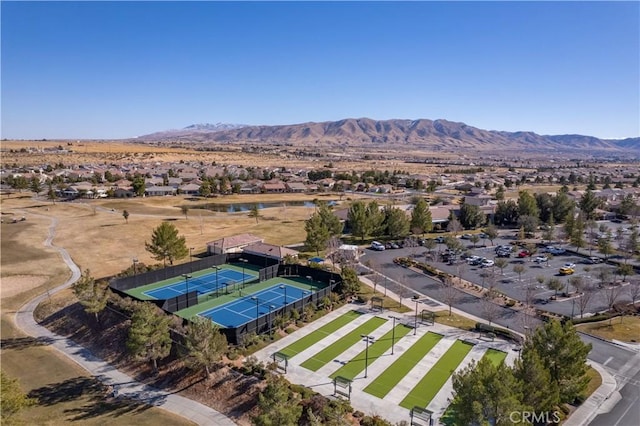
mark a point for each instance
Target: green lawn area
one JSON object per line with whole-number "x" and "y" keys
{"x": 495, "y": 356}
{"x": 314, "y": 337}
{"x": 422, "y": 394}
{"x": 332, "y": 351}
{"x": 381, "y": 386}
{"x": 352, "y": 368}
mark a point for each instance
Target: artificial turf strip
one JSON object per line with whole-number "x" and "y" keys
{"x": 381, "y": 386}
{"x": 495, "y": 356}
{"x": 422, "y": 394}
{"x": 315, "y": 336}
{"x": 357, "y": 364}
{"x": 332, "y": 351}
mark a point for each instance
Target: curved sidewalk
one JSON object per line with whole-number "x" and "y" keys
{"x": 123, "y": 384}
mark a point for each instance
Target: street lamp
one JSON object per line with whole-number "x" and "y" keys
{"x": 308, "y": 277}
{"x": 186, "y": 283}
{"x": 217, "y": 268}
{"x": 393, "y": 332}
{"x": 416, "y": 299}
{"x": 135, "y": 260}
{"x": 385, "y": 286}
{"x": 366, "y": 352}
{"x": 243, "y": 261}
{"x": 284, "y": 287}
{"x": 191, "y": 254}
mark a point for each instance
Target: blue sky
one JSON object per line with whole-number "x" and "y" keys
{"x": 123, "y": 69}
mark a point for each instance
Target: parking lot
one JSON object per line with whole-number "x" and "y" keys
{"x": 522, "y": 286}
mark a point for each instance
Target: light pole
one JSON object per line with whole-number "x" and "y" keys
{"x": 284, "y": 287}
{"x": 393, "y": 332}
{"x": 310, "y": 279}
{"x": 271, "y": 308}
{"x": 217, "y": 268}
{"x": 416, "y": 299}
{"x": 243, "y": 261}
{"x": 385, "y": 286}
{"x": 186, "y": 283}
{"x": 135, "y": 260}
{"x": 367, "y": 339}
{"x": 191, "y": 254}
{"x": 304, "y": 295}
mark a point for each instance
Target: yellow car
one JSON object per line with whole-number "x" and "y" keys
{"x": 565, "y": 270}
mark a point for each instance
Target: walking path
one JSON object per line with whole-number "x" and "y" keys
{"x": 122, "y": 384}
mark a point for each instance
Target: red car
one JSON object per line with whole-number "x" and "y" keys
{"x": 524, "y": 253}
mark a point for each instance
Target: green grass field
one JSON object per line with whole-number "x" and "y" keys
{"x": 332, "y": 351}
{"x": 422, "y": 394}
{"x": 495, "y": 356}
{"x": 314, "y": 337}
{"x": 381, "y": 386}
{"x": 352, "y": 368}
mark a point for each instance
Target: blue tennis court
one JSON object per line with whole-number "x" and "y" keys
{"x": 202, "y": 284}
{"x": 255, "y": 305}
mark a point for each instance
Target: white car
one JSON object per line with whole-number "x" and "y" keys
{"x": 487, "y": 263}
{"x": 377, "y": 246}
{"x": 541, "y": 259}
{"x": 569, "y": 265}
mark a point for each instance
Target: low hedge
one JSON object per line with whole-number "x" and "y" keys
{"x": 498, "y": 331}
{"x": 594, "y": 318}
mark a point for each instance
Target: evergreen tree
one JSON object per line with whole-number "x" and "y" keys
{"x": 35, "y": 185}
{"x": 563, "y": 355}
{"x": 205, "y": 344}
{"x": 350, "y": 284}
{"x": 317, "y": 233}
{"x": 485, "y": 394}
{"x": 421, "y": 217}
{"x": 562, "y": 206}
{"x": 93, "y": 296}
{"x": 330, "y": 220}
{"x": 125, "y": 215}
{"x": 539, "y": 393}
{"x": 277, "y": 404}
{"x": 397, "y": 222}
{"x": 166, "y": 244}
{"x": 492, "y": 232}
{"x": 12, "y": 399}
{"x": 254, "y": 212}
{"x": 149, "y": 338}
{"x": 471, "y": 216}
{"x": 527, "y": 205}
{"x": 358, "y": 220}
{"x": 589, "y": 203}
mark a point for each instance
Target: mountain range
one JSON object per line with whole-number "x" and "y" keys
{"x": 421, "y": 133}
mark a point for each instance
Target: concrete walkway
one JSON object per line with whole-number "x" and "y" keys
{"x": 122, "y": 384}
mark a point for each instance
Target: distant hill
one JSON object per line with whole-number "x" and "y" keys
{"x": 429, "y": 134}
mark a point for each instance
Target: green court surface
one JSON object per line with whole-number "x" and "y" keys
{"x": 332, "y": 351}
{"x": 381, "y": 386}
{"x": 495, "y": 356}
{"x": 315, "y": 336}
{"x": 422, "y": 394}
{"x": 357, "y": 364}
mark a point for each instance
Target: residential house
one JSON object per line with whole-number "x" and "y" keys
{"x": 233, "y": 244}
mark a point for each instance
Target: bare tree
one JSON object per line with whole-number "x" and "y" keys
{"x": 611, "y": 294}
{"x": 604, "y": 275}
{"x": 490, "y": 308}
{"x": 519, "y": 269}
{"x": 634, "y": 291}
{"x": 501, "y": 263}
{"x": 586, "y": 294}
{"x": 449, "y": 293}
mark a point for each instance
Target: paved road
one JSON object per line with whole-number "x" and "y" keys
{"x": 125, "y": 385}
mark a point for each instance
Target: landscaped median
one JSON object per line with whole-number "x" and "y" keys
{"x": 329, "y": 353}
{"x": 314, "y": 337}
{"x": 422, "y": 394}
{"x": 383, "y": 384}
{"x": 352, "y": 368}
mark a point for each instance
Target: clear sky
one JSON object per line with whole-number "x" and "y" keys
{"x": 124, "y": 69}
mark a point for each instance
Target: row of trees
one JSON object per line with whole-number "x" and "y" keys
{"x": 551, "y": 371}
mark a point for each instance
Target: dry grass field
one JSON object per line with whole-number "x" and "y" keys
{"x": 65, "y": 392}
{"x": 624, "y": 329}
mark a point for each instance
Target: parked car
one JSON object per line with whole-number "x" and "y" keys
{"x": 524, "y": 253}
{"x": 566, "y": 271}
{"x": 503, "y": 253}
{"x": 569, "y": 265}
{"x": 439, "y": 239}
{"x": 486, "y": 263}
{"x": 541, "y": 259}
{"x": 466, "y": 236}
{"x": 556, "y": 250}
{"x": 474, "y": 260}
{"x": 375, "y": 245}
{"x": 594, "y": 259}
{"x": 394, "y": 245}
